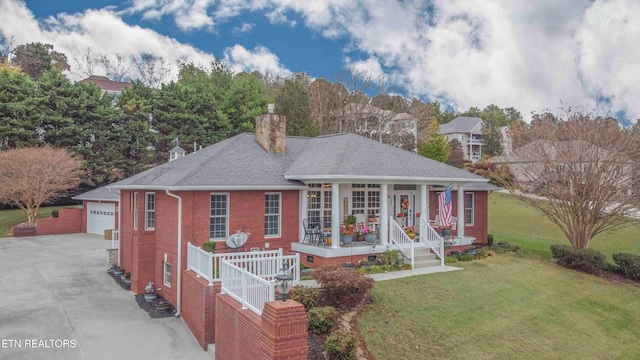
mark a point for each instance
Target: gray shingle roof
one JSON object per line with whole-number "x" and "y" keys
{"x": 99, "y": 194}
{"x": 240, "y": 162}
{"x": 462, "y": 124}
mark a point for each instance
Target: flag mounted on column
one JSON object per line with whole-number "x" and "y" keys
{"x": 444, "y": 207}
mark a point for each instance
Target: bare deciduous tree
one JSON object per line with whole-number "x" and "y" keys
{"x": 116, "y": 66}
{"x": 33, "y": 176}
{"x": 151, "y": 70}
{"x": 85, "y": 62}
{"x": 581, "y": 167}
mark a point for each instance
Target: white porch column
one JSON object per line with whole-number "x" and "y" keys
{"x": 384, "y": 214}
{"x": 335, "y": 215}
{"x": 304, "y": 205}
{"x": 460, "y": 226}
{"x": 424, "y": 202}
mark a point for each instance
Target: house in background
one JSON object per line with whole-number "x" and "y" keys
{"x": 107, "y": 86}
{"x": 468, "y": 131}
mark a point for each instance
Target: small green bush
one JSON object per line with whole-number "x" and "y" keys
{"x": 483, "y": 253}
{"x": 392, "y": 258}
{"x": 490, "y": 239}
{"x": 585, "y": 260}
{"x": 209, "y": 246}
{"x": 341, "y": 345}
{"x": 466, "y": 257}
{"x": 322, "y": 319}
{"x": 504, "y": 247}
{"x": 450, "y": 259}
{"x": 628, "y": 264}
{"x": 343, "y": 288}
{"x": 306, "y": 296}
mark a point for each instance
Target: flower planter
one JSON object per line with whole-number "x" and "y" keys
{"x": 149, "y": 297}
{"x": 347, "y": 239}
{"x": 366, "y": 264}
{"x": 162, "y": 305}
{"x": 118, "y": 272}
{"x": 472, "y": 251}
{"x": 446, "y": 232}
{"x": 370, "y": 238}
{"x": 348, "y": 265}
{"x": 411, "y": 235}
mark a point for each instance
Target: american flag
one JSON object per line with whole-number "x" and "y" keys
{"x": 444, "y": 207}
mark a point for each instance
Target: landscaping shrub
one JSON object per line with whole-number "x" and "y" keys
{"x": 490, "y": 239}
{"x": 450, "y": 259}
{"x": 209, "y": 246}
{"x": 377, "y": 269}
{"x": 392, "y": 258}
{"x": 341, "y": 345}
{"x": 306, "y": 296}
{"x": 466, "y": 257}
{"x": 343, "y": 288}
{"x": 628, "y": 264}
{"x": 585, "y": 260}
{"x": 504, "y": 247}
{"x": 322, "y": 319}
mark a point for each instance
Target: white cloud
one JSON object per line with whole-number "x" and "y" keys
{"x": 101, "y": 30}
{"x": 259, "y": 59}
{"x": 243, "y": 29}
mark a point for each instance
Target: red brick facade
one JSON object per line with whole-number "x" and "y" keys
{"x": 280, "y": 333}
{"x": 480, "y": 227}
{"x": 199, "y": 307}
{"x": 69, "y": 221}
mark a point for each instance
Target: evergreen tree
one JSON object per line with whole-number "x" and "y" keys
{"x": 435, "y": 146}
{"x": 18, "y": 127}
{"x": 292, "y": 100}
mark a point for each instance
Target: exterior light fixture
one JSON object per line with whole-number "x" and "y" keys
{"x": 284, "y": 280}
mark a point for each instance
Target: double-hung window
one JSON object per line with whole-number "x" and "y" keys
{"x": 135, "y": 210}
{"x": 468, "y": 209}
{"x": 150, "y": 211}
{"x": 219, "y": 216}
{"x": 272, "y": 212}
{"x": 167, "y": 274}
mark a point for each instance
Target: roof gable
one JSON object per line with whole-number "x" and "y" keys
{"x": 463, "y": 124}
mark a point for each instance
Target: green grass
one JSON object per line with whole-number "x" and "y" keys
{"x": 9, "y": 218}
{"x": 510, "y": 306}
{"x": 512, "y": 221}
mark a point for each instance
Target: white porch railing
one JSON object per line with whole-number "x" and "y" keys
{"x": 250, "y": 290}
{"x": 264, "y": 264}
{"x": 267, "y": 267}
{"x": 434, "y": 241}
{"x": 400, "y": 239}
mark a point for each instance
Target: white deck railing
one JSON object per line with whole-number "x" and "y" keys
{"x": 264, "y": 264}
{"x": 432, "y": 239}
{"x": 400, "y": 239}
{"x": 250, "y": 290}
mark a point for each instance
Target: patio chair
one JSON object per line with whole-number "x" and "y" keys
{"x": 310, "y": 233}
{"x": 323, "y": 234}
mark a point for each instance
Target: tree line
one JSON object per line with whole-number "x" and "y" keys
{"x": 121, "y": 136}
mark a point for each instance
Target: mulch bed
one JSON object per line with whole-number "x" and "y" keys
{"x": 148, "y": 306}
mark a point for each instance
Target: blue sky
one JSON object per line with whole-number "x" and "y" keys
{"x": 531, "y": 55}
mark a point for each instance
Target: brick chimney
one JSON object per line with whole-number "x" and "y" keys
{"x": 271, "y": 131}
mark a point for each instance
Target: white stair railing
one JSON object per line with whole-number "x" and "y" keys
{"x": 432, "y": 239}
{"x": 401, "y": 240}
{"x": 250, "y": 290}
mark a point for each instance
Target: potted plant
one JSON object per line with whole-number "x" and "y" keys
{"x": 350, "y": 222}
{"x": 369, "y": 234}
{"x": 127, "y": 278}
{"x": 410, "y": 231}
{"x": 118, "y": 271}
{"x": 150, "y": 293}
{"x": 365, "y": 263}
{"x": 446, "y": 231}
{"x": 346, "y": 235}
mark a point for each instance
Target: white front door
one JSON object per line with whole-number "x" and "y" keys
{"x": 100, "y": 216}
{"x": 405, "y": 204}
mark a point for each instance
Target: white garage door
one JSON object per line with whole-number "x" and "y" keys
{"x": 100, "y": 216}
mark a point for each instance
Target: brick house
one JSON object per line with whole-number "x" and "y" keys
{"x": 266, "y": 184}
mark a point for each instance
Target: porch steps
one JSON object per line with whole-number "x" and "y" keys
{"x": 424, "y": 258}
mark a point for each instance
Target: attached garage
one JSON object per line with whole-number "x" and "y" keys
{"x": 100, "y": 217}
{"x": 100, "y": 210}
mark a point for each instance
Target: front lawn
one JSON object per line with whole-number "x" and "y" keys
{"x": 505, "y": 307}
{"x": 9, "y": 218}
{"x": 509, "y": 306}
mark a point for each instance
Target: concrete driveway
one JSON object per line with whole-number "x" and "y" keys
{"x": 58, "y": 302}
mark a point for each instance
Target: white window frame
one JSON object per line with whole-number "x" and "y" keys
{"x": 322, "y": 194}
{"x": 149, "y": 212}
{"x": 226, "y": 216}
{"x": 135, "y": 210}
{"x": 279, "y": 215}
{"x": 166, "y": 275}
{"x": 467, "y": 221}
